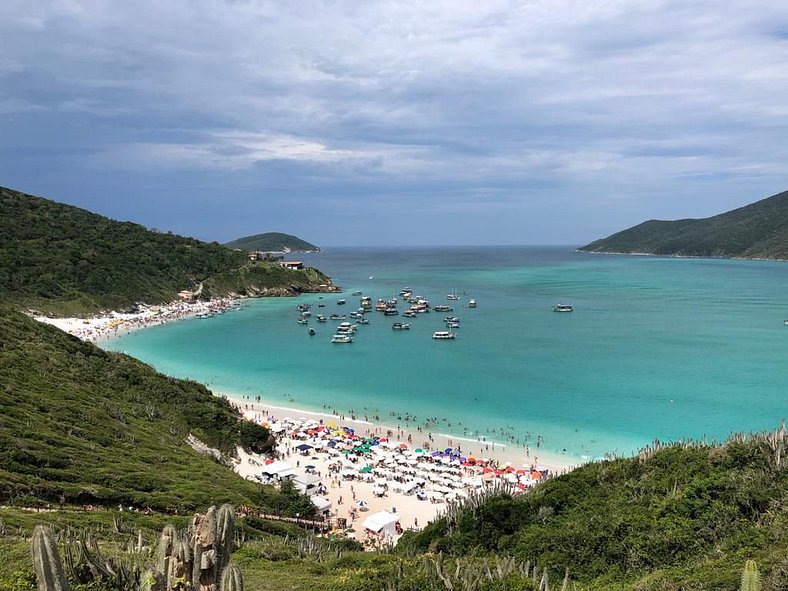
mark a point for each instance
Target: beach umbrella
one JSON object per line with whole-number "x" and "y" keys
{"x": 362, "y": 505}
{"x": 366, "y": 470}
{"x": 419, "y": 450}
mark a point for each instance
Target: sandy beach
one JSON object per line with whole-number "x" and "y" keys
{"x": 395, "y": 462}
{"x": 114, "y": 324}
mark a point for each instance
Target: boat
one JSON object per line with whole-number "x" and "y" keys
{"x": 562, "y": 308}
{"x": 362, "y": 320}
{"x": 452, "y": 325}
{"x": 320, "y": 318}
{"x": 380, "y": 306}
{"x": 357, "y": 293}
{"x": 342, "y": 338}
{"x": 443, "y": 334}
{"x": 451, "y": 319}
{"x": 443, "y": 308}
{"x": 338, "y": 316}
{"x": 400, "y": 326}
{"x": 472, "y": 303}
{"x": 390, "y": 312}
{"x": 303, "y": 321}
{"x": 311, "y": 332}
{"x": 786, "y": 322}
{"x": 409, "y": 313}
{"x": 303, "y": 307}
{"x": 346, "y": 327}
{"x": 452, "y": 297}
{"x": 205, "y": 315}
{"x": 341, "y": 302}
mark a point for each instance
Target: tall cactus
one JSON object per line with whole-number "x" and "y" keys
{"x": 750, "y": 578}
{"x": 232, "y": 579}
{"x": 46, "y": 561}
{"x": 225, "y": 538}
{"x": 166, "y": 542}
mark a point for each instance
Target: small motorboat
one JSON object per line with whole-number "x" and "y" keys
{"x": 400, "y": 326}
{"x": 562, "y": 308}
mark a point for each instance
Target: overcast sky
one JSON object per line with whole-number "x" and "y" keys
{"x": 418, "y": 122}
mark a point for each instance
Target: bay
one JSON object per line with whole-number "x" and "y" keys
{"x": 662, "y": 348}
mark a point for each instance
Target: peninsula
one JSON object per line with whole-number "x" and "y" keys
{"x": 756, "y": 231}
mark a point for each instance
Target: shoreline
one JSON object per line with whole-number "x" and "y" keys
{"x": 256, "y": 407}
{"x": 103, "y": 327}
{"x": 352, "y": 497}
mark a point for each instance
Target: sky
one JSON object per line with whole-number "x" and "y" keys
{"x": 446, "y": 122}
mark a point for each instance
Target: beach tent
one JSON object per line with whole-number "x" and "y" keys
{"x": 274, "y": 468}
{"x": 382, "y": 523}
{"x": 323, "y": 505}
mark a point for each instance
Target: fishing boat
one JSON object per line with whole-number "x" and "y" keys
{"x": 400, "y": 326}
{"x": 443, "y": 334}
{"x": 562, "y": 308}
{"x": 342, "y": 338}
{"x": 409, "y": 313}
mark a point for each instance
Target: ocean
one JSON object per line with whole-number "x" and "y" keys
{"x": 656, "y": 348}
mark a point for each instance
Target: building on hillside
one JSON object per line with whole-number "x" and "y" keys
{"x": 186, "y": 296}
{"x": 292, "y": 265}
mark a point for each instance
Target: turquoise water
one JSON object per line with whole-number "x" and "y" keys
{"x": 656, "y": 348}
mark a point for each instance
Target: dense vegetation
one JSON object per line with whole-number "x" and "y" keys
{"x": 684, "y": 517}
{"x": 273, "y": 242}
{"x": 757, "y": 231}
{"x": 59, "y": 258}
{"x": 83, "y": 426}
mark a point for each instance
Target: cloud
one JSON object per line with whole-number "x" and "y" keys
{"x": 501, "y": 102}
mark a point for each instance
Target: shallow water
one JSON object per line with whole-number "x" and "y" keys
{"x": 656, "y": 347}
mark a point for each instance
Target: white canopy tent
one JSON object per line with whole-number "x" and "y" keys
{"x": 382, "y": 523}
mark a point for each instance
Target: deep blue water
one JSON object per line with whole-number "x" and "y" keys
{"x": 656, "y": 347}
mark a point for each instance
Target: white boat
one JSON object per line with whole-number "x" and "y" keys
{"x": 562, "y": 308}
{"x": 400, "y": 326}
{"x": 302, "y": 321}
{"x": 451, "y": 319}
{"x": 320, "y": 318}
{"x": 340, "y": 302}
{"x": 452, "y": 297}
{"x": 357, "y": 293}
{"x": 443, "y": 308}
{"x": 452, "y": 325}
{"x": 342, "y": 338}
{"x": 443, "y": 334}
{"x": 472, "y": 303}
{"x": 362, "y": 320}
{"x": 347, "y": 327}
{"x": 409, "y": 313}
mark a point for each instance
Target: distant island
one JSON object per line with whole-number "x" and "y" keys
{"x": 273, "y": 242}
{"x": 756, "y": 231}
{"x": 63, "y": 260}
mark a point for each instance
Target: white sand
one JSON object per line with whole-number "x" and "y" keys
{"x": 414, "y": 513}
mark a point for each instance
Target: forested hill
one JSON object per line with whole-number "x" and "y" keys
{"x": 756, "y": 231}
{"x": 273, "y": 242}
{"x": 56, "y": 257}
{"x": 83, "y": 426}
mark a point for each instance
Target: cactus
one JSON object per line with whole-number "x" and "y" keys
{"x": 232, "y": 579}
{"x": 46, "y": 560}
{"x": 225, "y": 537}
{"x": 750, "y": 579}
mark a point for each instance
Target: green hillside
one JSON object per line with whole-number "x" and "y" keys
{"x": 273, "y": 242}
{"x": 756, "y": 231}
{"x": 62, "y": 259}
{"x": 685, "y": 517}
{"x": 83, "y": 426}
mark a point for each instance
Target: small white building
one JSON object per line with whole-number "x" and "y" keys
{"x": 323, "y": 504}
{"x": 382, "y": 523}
